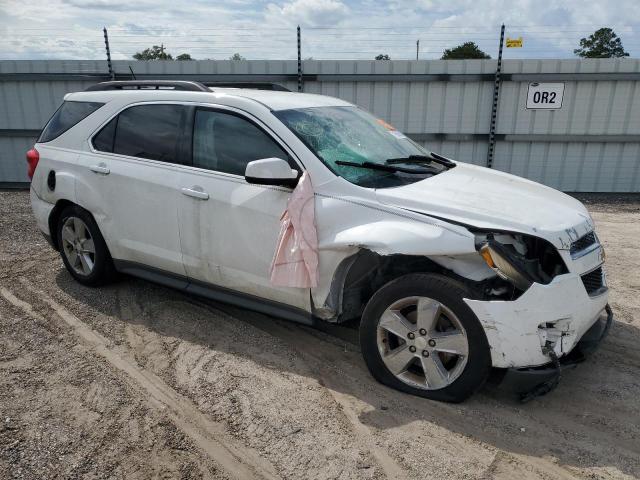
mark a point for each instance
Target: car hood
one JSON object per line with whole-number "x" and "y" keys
{"x": 489, "y": 199}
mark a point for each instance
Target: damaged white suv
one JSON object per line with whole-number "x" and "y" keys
{"x": 452, "y": 268}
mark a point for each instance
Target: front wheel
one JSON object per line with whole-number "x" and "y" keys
{"x": 419, "y": 336}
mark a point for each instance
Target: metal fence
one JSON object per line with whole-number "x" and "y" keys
{"x": 590, "y": 144}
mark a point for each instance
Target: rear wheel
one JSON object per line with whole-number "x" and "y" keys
{"x": 82, "y": 247}
{"x": 418, "y": 335}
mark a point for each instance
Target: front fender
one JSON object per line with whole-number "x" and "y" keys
{"x": 385, "y": 232}
{"x": 401, "y": 237}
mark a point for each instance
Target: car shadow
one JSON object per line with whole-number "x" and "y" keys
{"x": 590, "y": 421}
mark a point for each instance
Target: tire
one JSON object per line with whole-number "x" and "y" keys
{"x": 391, "y": 318}
{"x": 73, "y": 224}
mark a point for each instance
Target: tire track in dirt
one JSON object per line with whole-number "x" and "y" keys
{"x": 505, "y": 465}
{"x": 211, "y": 437}
{"x": 389, "y": 466}
{"x": 564, "y": 414}
{"x": 391, "y": 469}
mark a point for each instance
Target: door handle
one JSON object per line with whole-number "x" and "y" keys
{"x": 100, "y": 168}
{"x": 195, "y": 192}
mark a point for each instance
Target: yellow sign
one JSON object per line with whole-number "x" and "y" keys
{"x": 514, "y": 42}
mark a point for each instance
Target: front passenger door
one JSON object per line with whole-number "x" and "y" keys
{"x": 228, "y": 227}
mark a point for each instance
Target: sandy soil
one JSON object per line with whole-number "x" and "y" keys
{"x": 139, "y": 381}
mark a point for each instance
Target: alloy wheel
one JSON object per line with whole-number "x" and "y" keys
{"x": 78, "y": 246}
{"x": 422, "y": 343}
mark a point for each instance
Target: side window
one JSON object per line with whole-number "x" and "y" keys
{"x": 68, "y": 115}
{"x": 226, "y": 143}
{"x": 145, "y": 131}
{"x": 103, "y": 140}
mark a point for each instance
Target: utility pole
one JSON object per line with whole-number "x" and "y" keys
{"x": 417, "y": 49}
{"x": 112, "y": 75}
{"x": 299, "y": 60}
{"x": 494, "y": 106}
{"x": 161, "y": 50}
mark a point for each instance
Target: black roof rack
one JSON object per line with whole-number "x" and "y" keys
{"x": 149, "y": 85}
{"x": 253, "y": 85}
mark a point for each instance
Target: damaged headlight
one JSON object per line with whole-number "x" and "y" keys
{"x": 520, "y": 259}
{"x": 505, "y": 265}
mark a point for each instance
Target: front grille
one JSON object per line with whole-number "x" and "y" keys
{"x": 583, "y": 242}
{"x": 593, "y": 281}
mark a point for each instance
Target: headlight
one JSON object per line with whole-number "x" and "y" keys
{"x": 505, "y": 264}
{"x": 520, "y": 259}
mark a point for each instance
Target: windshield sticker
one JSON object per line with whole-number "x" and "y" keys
{"x": 397, "y": 134}
{"x": 385, "y": 124}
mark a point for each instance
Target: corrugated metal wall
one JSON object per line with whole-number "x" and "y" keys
{"x": 591, "y": 144}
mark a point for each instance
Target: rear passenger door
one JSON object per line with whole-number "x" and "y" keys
{"x": 130, "y": 184}
{"x": 229, "y": 227}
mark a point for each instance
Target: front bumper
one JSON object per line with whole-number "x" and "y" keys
{"x": 530, "y": 382}
{"x": 555, "y": 316}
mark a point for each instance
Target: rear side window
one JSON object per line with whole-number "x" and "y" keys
{"x": 103, "y": 141}
{"x": 226, "y": 143}
{"x": 145, "y": 131}
{"x": 68, "y": 115}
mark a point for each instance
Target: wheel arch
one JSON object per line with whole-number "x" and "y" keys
{"x": 360, "y": 275}
{"x": 54, "y": 218}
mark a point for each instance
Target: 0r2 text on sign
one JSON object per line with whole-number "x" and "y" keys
{"x": 545, "y": 96}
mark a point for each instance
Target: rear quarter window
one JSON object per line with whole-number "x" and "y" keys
{"x": 69, "y": 114}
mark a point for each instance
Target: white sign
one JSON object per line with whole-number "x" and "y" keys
{"x": 545, "y": 96}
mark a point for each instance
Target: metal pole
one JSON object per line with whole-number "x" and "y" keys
{"x": 112, "y": 74}
{"x": 299, "y": 61}
{"x": 417, "y": 49}
{"x": 494, "y": 107}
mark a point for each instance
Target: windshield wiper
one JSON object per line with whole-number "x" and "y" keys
{"x": 383, "y": 167}
{"x": 434, "y": 157}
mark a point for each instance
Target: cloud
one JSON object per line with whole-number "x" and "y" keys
{"x": 265, "y": 29}
{"x": 308, "y": 12}
{"x": 99, "y": 5}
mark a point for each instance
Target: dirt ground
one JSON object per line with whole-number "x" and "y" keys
{"x": 139, "y": 381}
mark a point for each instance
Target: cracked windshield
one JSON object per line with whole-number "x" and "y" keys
{"x": 358, "y": 147}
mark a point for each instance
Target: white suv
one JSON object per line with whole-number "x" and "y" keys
{"x": 452, "y": 268}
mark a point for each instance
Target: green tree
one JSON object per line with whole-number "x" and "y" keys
{"x": 154, "y": 53}
{"x": 603, "y": 43}
{"x": 237, "y": 57}
{"x": 383, "y": 56}
{"x": 159, "y": 53}
{"x": 467, "y": 50}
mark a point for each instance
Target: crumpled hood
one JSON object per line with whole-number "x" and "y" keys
{"x": 491, "y": 199}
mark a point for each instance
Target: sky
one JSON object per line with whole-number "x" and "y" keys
{"x": 330, "y": 29}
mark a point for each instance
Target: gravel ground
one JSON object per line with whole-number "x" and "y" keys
{"x": 138, "y": 381}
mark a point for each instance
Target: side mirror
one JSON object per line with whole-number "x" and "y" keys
{"x": 271, "y": 171}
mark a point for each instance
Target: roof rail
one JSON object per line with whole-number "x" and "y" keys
{"x": 252, "y": 85}
{"x": 149, "y": 85}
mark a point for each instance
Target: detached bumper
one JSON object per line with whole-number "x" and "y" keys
{"x": 533, "y": 381}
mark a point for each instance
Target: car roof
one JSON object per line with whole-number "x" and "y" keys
{"x": 274, "y": 100}
{"x": 278, "y": 100}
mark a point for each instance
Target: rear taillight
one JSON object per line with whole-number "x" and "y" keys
{"x": 32, "y": 162}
